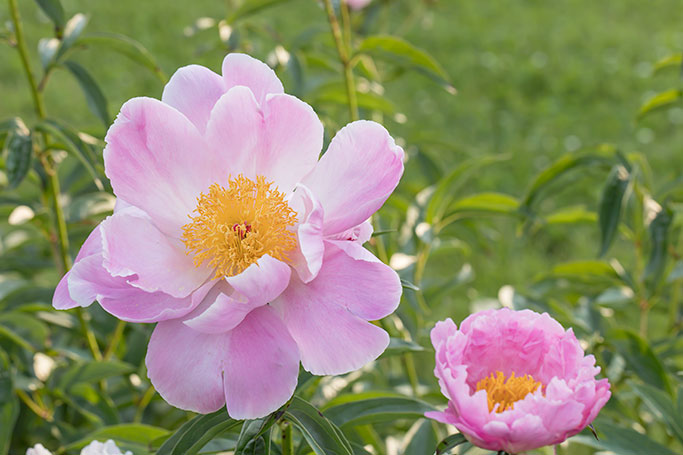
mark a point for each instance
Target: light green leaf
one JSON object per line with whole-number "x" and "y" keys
{"x": 571, "y": 215}
{"x": 321, "y": 434}
{"x": 129, "y": 47}
{"x": 660, "y": 100}
{"x": 336, "y": 93}
{"x": 495, "y": 203}
{"x": 675, "y": 60}
{"x": 611, "y": 205}
{"x": 373, "y": 407}
{"x": 250, "y": 7}
{"x": 93, "y": 94}
{"x": 401, "y": 52}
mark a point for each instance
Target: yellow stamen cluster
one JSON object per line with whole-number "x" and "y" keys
{"x": 505, "y": 392}
{"x": 233, "y": 227}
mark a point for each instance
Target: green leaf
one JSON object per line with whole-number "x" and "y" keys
{"x": 19, "y": 147}
{"x": 321, "y": 434}
{"x": 565, "y": 164}
{"x": 586, "y": 268}
{"x": 571, "y": 215}
{"x": 450, "y": 442}
{"x": 611, "y": 205}
{"x": 408, "y": 285}
{"x": 93, "y": 95}
{"x": 450, "y": 184}
{"x": 47, "y": 51}
{"x": 73, "y": 145}
{"x": 336, "y": 93}
{"x": 623, "y": 441}
{"x": 250, "y": 7}
{"x": 669, "y": 61}
{"x": 128, "y": 47}
{"x": 401, "y": 52}
{"x": 423, "y": 439}
{"x": 659, "y": 243}
{"x": 496, "y": 203}
{"x": 251, "y": 430}
{"x": 373, "y": 407}
{"x": 91, "y": 372}
{"x": 662, "y": 405}
{"x": 641, "y": 359}
{"x": 399, "y": 346}
{"x": 72, "y": 31}
{"x": 132, "y": 433}
{"x": 193, "y": 435}
{"x": 9, "y": 404}
{"x": 53, "y": 9}
{"x": 660, "y": 100}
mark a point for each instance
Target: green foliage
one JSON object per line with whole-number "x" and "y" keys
{"x": 511, "y": 188}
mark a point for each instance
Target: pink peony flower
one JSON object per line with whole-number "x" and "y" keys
{"x": 515, "y": 380}
{"x": 358, "y": 4}
{"x": 241, "y": 244}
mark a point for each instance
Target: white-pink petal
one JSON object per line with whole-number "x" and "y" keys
{"x": 241, "y": 69}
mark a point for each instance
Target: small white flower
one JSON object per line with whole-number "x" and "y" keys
{"x": 98, "y": 448}
{"x": 38, "y": 449}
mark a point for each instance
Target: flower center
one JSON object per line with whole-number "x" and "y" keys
{"x": 505, "y": 392}
{"x": 233, "y": 227}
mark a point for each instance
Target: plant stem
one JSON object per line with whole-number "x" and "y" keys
{"x": 287, "y": 441}
{"x": 343, "y": 49}
{"x": 53, "y": 188}
{"x": 144, "y": 402}
{"x": 115, "y": 339}
{"x": 33, "y": 406}
{"x": 23, "y": 53}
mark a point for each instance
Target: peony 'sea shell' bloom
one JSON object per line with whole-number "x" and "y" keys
{"x": 358, "y": 4}
{"x": 94, "y": 448}
{"x": 243, "y": 246}
{"x": 515, "y": 380}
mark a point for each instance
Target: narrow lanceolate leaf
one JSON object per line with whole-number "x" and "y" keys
{"x": 193, "y": 435}
{"x": 660, "y": 100}
{"x": 92, "y": 372}
{"x": 93, "y": 95}
{"x": 321, "y": 434}
{"x": 662, "y": 405}
{"x": 611, "y": 205}
{"x": 19, "y": 147}
{"x": 132, "y": 433}
{"x": 403, "y": 53}
{"x": 492, "y": 203}
{"x": 250, "y": 7}
{"x": 449, "y": 443}
{"x": 622, "y": 440}
{"x": 53, "y": 9}
{"x": 129, "y": 47}
{"x": 9, "y": 404}
{"x": 673, "y": 60}
{"x": 72, "y": 31}
{"x": 659, "y": 241}
{"x": 251, "y": 431}
{"x": 359, "y": 409}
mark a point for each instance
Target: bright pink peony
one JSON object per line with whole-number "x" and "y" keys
{"x": 515, "y": 380}
{"x": 241, "y": 244}
{"x": 358, "y": 4}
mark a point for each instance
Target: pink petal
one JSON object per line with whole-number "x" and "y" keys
{"x": 242, "y": 69}
{"x": 185, "y": 367}
{"x": 262, "y": 281}
{"x": 193, "y": 90}
{"x": 261, "y": 365}
{"x": 134, "y": 246}
{"x": 332, "y": 339}
{"x": 157, "y": 161}
{"x": 280, "y": 139}
{"x": 61, "y": 299}
{"x": 366, "y": 163}
{"x": 308, "y": 256}
{"x": 222, "y": 315}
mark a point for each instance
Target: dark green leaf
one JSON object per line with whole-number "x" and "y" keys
{"x": 53, "y": 9}
{"x": 611, "y": 204}
{"x": 423, "y": 439}
{"x": 128, "y": 47}
{"x": 623, "y": 441}
{"x": 93, "y": 95}
{"x": 91, "y": 372}
{"x": 406, "y": 55}
{"x": 399, "y": 346}
{"x": 408, "y": 285}
{"x": 450, "y": 442}
{"x": 321, "y": 434}
{"x": 19, "y": 147}
{"x": 659, "y": 243}
{"x": 193, "y": 435}
{"x": 251, "y": 431}
{"x": 371, "y": 407}
{"x": 662, "y": 405}
{"x": 72, "y": 31}
{"x": 660, "y": 100}
{"x": 250, "y": 7}
{"x": 641, "y": 359}
{"x": 9, "y": 404}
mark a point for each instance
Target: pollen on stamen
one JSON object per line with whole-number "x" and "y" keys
{"x": 231, "y": 228}
{"x": 504, "y": 392}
